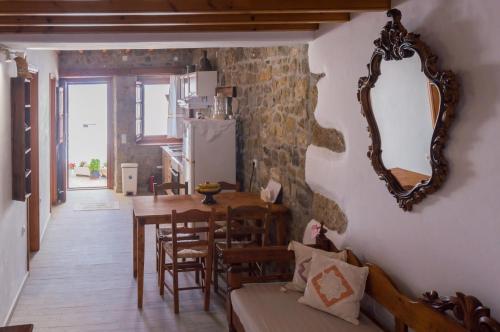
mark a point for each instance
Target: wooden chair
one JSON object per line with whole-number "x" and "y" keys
{"x": 230, "y": 186}
{"x": 165, "y": 233}
{"x": 189, "y": 255}
{"x": 220, "y": 229}
{"x": 246, "y": 226}
{"x": 162, "y": 189}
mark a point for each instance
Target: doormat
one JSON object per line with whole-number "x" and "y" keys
{"x": 96, "y": 205}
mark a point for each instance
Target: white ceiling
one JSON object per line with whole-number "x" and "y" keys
{"x": 153, "y": 41}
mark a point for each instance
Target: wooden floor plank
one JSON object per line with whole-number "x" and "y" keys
{"x": 81, "y": 279}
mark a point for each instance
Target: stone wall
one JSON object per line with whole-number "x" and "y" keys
{"x": 124, "y": 59}
{"x": 277, "y": 97}
{"x": 147, "y": 156}
{"x": 272, "y": 86}
{"x": 276, "y": 94}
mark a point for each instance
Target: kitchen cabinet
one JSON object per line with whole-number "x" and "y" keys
{"x": 21, "y": 138}
{"x": 198, "y": 84}
{"x": 172, "y": 162}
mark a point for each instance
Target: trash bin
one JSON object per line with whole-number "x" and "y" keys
{"x": 129, "y": 178}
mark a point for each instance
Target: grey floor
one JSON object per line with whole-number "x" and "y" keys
{"x": 81, "y": 279}
{"x": 86, "y": 182}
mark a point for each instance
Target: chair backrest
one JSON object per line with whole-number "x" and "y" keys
{"x": 162, "y": 189}
{"x": 193, "y": 222}
{"x": 248, "y": 222}
{"x": 230, "y": 186}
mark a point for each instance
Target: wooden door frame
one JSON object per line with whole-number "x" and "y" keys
{"x": 34, "y": 200}
{"x": 53, "y": 138}
{"x": 110, "y": 123}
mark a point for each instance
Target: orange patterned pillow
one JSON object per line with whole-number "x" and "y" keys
{"x": 303, "y": 256}
{"x": 335, "y": 287}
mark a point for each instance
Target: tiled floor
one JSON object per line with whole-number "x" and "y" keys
{"x": 81, "y": 279}
{"x": 86, "y": 182}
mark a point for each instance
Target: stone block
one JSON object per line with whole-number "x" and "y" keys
{"x": 328, "y": 212}
{"x": 327, "y": 138}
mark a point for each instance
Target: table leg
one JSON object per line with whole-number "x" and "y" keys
{"x": 140, "y": 263}
{"x": 281, "y": 229}
{"x": 134, "y": 244}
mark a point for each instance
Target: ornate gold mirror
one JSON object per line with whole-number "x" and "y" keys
{"x": 409, "y": 105}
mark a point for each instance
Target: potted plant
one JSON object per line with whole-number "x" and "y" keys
{"x": 94, "y": 168}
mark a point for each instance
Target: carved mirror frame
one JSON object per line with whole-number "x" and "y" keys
{"x": 395, "y": 44}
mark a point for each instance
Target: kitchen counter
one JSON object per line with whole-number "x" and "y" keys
{"x": 174, "y": 150}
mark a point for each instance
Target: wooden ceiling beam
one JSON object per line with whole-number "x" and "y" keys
{"x": 107, "y": 72}
{"x": 76, "y": 7}
{"x": 158, "y": 29}
{"x": 172, "y": 20}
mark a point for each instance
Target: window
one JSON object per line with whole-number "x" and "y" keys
{"x": 151, "y": 110}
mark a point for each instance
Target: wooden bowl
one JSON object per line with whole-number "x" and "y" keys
{"x": 209, "y": 196}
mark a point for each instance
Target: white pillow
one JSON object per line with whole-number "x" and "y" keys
{"x": 335, "y": 287}
{"x": 303, "y": 256}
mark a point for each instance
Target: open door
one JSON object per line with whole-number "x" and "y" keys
{"x": 77, "y": 87}
{"x": 53, "y": 140}
{"x": 60, "y": 145}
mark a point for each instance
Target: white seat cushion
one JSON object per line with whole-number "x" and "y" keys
{"x": 265, "y": 308}
{"x": 194, "y": 252}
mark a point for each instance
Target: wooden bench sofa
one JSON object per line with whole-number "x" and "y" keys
{"x": 257, "y": 303}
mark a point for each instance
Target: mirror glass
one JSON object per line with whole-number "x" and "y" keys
{"x": 405, "y": 105}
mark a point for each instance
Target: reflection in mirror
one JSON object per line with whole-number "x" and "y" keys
{"x": 405, "y": 105}
{"x": 409, "y": 104}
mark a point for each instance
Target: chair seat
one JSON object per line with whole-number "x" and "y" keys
{"x": 165, "y": 234}
{"x": 221, "y": 229}
{"x": 164, "y": 231}
{"x": 195, "y": 252}
{"x": 280, "y": 311}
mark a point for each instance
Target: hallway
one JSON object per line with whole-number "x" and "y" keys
{"x": 81, "y": 279}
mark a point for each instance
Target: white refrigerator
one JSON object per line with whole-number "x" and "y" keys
{"x": 209, "y": 151}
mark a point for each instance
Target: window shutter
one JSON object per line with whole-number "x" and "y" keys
{"x": 139, "y": 111}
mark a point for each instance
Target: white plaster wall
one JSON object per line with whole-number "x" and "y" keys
{"x": 12, "y": 214}
{"x": 46, "y": 63}
{"x": 451, "y": 240}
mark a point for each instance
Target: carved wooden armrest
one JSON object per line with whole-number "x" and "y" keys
{"x": 466, "y": 309}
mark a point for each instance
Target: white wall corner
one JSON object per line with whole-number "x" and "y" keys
{"x": 318, "y": 161}
{"x": 16, "y": 298}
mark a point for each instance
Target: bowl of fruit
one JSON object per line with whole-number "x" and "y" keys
{"x": 208, "y": 189}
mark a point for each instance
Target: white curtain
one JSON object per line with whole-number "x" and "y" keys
{"x": 174, "y": 126}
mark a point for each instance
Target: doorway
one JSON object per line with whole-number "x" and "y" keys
{"x": 88, "y": 134}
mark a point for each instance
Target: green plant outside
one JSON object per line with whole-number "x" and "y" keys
{"x": 95, "y": 165}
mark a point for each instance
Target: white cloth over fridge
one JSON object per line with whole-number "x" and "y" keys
{"x": 211, "y": 129}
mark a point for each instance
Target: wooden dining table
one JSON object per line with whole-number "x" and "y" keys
{"x": 157, "y": 210}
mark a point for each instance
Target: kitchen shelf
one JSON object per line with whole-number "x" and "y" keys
{"x": 21, "y": 138}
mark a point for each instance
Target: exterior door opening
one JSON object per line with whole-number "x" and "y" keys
{"x": 87, "y": 145}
